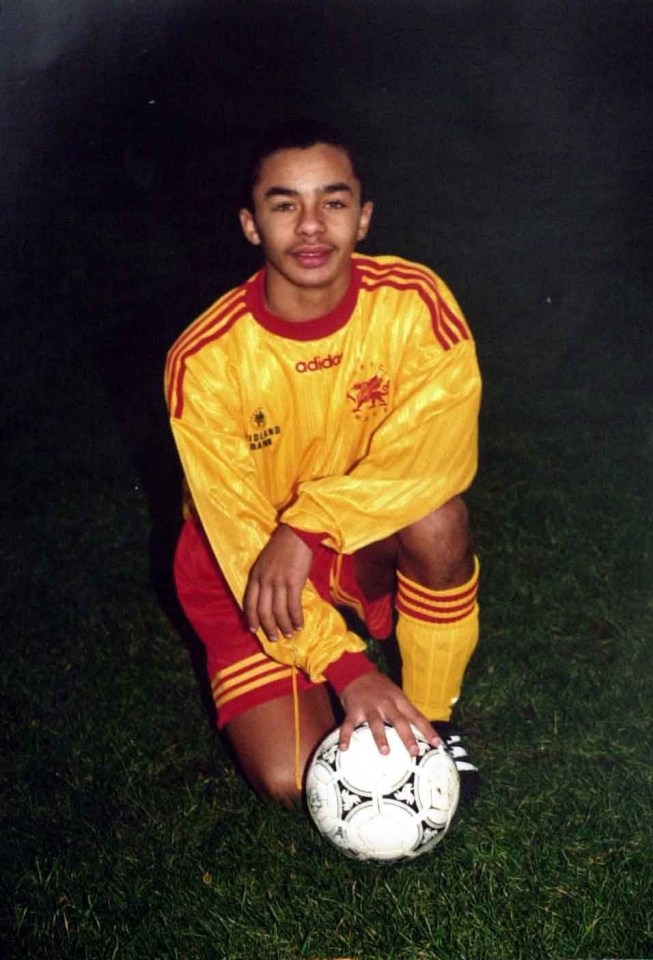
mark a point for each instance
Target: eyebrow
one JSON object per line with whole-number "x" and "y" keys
{"x": 329, "y": 188}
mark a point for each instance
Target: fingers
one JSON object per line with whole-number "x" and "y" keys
{"x": 250, "y": 604}
{"x": 377, "y": 728}
{"x": 404, "y": 723}
{"x": 273, "y": 611}
{"x": 373, "y": 699}
{"x": 427, "y": 730}
{"x": 406, "y": 735}
{"x": 295, "y": 612}
{"x": 274, "y": 608}
{"x": 273, "y": 597}
{"x": 346, "y": 731}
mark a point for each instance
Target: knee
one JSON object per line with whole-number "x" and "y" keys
{"x": 449, "y": 525}
{"x": 442, "y": 541}
{"x": 278, "y": 786}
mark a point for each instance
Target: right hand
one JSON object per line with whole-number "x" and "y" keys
{"x": 273, "y": 596}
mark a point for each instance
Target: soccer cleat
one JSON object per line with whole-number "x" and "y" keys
{"x": 469, "y": 775}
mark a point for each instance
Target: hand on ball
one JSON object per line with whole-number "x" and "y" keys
{"x": 374, "y": 699}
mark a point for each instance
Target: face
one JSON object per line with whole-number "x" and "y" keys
{"x": 307, "y": 218}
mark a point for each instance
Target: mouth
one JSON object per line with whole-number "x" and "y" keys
{"x": 311, "y": 258}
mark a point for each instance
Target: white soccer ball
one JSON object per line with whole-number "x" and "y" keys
{"x": 382, "y": 807}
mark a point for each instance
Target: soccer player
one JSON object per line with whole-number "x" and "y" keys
{"x": 325, "y": 414}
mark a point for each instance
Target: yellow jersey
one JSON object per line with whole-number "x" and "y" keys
{"x": 350, "y": 426}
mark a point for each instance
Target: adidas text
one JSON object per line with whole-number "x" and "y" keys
{"x": 318, "y": 363}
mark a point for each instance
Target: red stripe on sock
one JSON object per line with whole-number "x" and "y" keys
{"x": 461, "y": 613}
{"x": 426, "y": 596}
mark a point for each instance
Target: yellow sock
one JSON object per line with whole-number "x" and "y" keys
{"x": 437, "y": 631}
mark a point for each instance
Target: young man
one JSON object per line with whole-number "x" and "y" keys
{"x": 325, "y": 414}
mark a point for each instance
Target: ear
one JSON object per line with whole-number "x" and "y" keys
{"x": 364, "y": 220}
{"x": 248, "y": 225}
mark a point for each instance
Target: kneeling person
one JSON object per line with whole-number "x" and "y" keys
{"x": 325, "y": 414}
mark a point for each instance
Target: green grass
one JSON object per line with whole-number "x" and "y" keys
{"x": 127, "y": 833}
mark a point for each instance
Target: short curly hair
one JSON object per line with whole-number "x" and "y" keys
{"x": 297, "y": 134}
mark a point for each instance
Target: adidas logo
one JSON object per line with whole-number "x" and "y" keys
{"x": 318, "y": 363}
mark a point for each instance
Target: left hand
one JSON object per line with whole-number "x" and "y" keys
{"x": 374, "y": 699}
{"x": 273, "y": 594}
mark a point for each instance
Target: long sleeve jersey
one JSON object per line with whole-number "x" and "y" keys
{"x": 350, "y": 426}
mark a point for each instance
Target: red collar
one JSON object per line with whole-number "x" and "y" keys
{"x": 308, "y": 329}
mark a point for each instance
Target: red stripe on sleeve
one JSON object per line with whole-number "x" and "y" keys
{"x": 448, "y": 328}
{"x": 177, "y": 380}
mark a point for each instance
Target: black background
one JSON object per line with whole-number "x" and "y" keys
{"x": 509, "y": 144}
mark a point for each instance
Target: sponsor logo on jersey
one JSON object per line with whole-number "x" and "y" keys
{"x": 318, "y": 363}
{"x": 263, "y": 436}
{"x": 258, "y": 418}
{"x": 369, "y": 394}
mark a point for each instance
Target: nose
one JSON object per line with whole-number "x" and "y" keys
{"x": 310, "y": 221}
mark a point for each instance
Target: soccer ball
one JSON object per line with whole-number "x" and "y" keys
{"x": 382, "y": 807}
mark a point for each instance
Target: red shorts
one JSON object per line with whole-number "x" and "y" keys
{"x": 241, "y": 674}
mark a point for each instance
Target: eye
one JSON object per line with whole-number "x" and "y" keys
{"x": 335, "y": 205}
{"x": 283, "y": 206}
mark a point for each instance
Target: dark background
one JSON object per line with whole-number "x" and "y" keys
{"x": 510, "y": 147}
{"x": 512, "y": 144}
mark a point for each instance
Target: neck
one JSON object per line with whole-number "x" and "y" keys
{"x": 299, "y": 304}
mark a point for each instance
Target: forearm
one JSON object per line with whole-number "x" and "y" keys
{"x": 422, "y": 454}
{"x": 237, "y": 518}
{"x": 385, "y": 492}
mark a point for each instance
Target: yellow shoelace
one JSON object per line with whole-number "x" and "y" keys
{"x": 295, "y": 705}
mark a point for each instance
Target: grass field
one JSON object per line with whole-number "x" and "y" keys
{"x": 126, "y": 832}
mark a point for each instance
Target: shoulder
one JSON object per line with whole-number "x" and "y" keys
{"x": 214, "y": 322}
{"x": 386, "y": 268}
{"x": 395, "y": 273}
{"x": 206, "y": 333}
{"x": 396, "y": 279}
